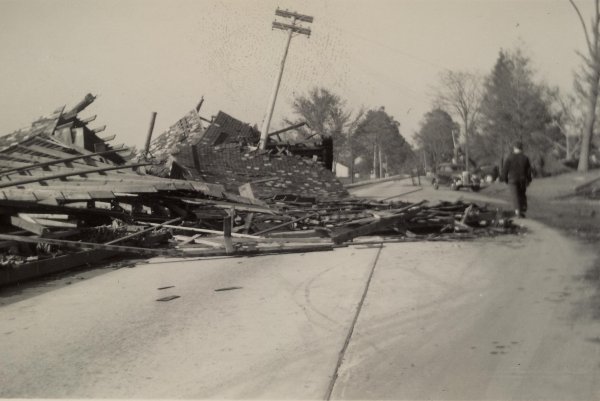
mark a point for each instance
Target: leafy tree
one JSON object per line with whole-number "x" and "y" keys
{"x": 379, "y": 143}
{"x": 513, "y": 106}
{"x": 587, "y": 82}
{"x": 435, "y": 137}
{"x": 326, "y": 116}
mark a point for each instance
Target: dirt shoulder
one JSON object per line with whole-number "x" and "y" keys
{"x": 551, "y": 202}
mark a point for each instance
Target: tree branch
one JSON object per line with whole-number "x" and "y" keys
{"x": 587, "y": 38}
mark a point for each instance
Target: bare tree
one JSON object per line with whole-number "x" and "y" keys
{"x": 567, "y": 117}
{"x": 351, "y": 130}
{"x": 588, "y": 82}
{"x": 459, "y": 94}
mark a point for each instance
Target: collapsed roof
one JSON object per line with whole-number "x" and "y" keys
{"x": 225, "y": 152}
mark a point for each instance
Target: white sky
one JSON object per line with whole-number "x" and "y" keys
{"x": 141, "y": 56}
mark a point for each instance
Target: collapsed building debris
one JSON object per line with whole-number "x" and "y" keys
{"x": 226, "y": 153}
{"x": 68, "y": 198}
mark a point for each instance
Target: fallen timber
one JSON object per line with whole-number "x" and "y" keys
{"x": 68, "y": 198}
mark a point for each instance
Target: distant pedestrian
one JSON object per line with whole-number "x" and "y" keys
{"x": 517, "y": 174}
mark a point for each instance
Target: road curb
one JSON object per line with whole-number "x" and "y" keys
{"x": 378, "y": 181}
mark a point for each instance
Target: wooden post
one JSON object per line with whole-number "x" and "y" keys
{"x": 351, "y": 165}
{"x": 149, "y": 137}
{"x": 79, "y": 107}
{"x": 227, "y": 221}
{"x": 200, "y": 104}
{"x": 248, "y": 222}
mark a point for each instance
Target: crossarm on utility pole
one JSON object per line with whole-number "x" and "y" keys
{"x": 290, "y": 29}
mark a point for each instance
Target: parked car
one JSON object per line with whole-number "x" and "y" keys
{"x": 455, "y": 177}
{"x": 488, "y": 172}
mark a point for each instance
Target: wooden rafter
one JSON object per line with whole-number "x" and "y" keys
{"x": 58, "y": 161}
{"x": 75, "y": 172}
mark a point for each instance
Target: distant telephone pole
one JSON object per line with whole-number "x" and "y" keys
{"x": 291, "y": 29}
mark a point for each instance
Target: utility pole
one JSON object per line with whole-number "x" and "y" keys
{"x": 290, "y": 29}
{"x": 455, "y": 131}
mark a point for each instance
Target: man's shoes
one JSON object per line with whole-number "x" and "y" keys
{"x": 519, "y": 214}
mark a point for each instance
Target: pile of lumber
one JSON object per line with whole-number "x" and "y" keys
{"x": 68, "y": 198}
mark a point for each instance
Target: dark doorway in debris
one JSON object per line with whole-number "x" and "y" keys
{"x": 221, "y": 138}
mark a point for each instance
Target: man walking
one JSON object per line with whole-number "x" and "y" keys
{"x": 517, "y": 174}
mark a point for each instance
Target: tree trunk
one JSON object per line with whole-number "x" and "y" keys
{"x": 590, "y": 120}
{"x": 593, "y": 64}
{"x": 467, "y": 127}
{"x": 375, "y": 171}
{"x": 351, "y": 165}
{"x": 380, "y": 164}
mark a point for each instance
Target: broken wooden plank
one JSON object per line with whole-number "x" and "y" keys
{"x": 196, "y": 252}
{"x": 55, "y": 223}
{"x": 53, "y": 216}
{"x": 26, "y": 156}
{"x": 244, "y": 207}
{"x": 296, "y": 234}
{"x": 57, "y": 161}
{"x": 283, "y": 130}
{"x": 203, "y": 241}
{"x": 203, "y": 230}
{"x": 248, "y": 222}
{"x": 62, "y": 234}
{"x": 46, "y": 151}
{"x": 462, "y": 224}
{"x": 88, "y": 119}
{"x": 32, "y": 227}
{"x": 108, "y": 138}
{"x": 75, "y": 172}
{"x": 227, "y": 221}
{"x": 43, "y": 267}
{"x": 97, "y": 130}
{"x": 105, "y": 187}
{"x": 396, "y": 220}
{"x": 91, "y": 245}
{"x": 13, "y": 164}
{"x": 142, "y": 231}
{"x": 187, "y": 240}
{"x": 268, "y": 230}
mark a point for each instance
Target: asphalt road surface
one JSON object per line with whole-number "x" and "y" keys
{"x": 513, "y": 317}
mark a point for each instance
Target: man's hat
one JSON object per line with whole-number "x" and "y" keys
{"x": 518, "y": 145}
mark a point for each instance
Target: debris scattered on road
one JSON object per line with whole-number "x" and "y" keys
{"x": 68, "y": 198}
{"x": 164, "y": 288}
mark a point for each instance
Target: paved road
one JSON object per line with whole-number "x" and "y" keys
{"x": 507, "y": 318}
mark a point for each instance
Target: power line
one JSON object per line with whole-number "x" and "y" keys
{"x": 386, "y": 79}
{"x": 388, "y": 47}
